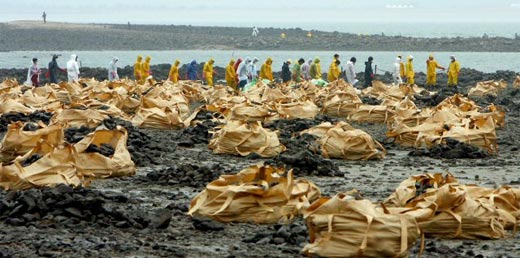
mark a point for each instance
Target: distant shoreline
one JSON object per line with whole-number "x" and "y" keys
{"x": 54, "y": 36}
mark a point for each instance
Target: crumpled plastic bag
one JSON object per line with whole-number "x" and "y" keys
{"x": 259, "y": 194}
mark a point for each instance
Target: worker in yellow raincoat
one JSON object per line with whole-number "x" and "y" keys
{"x": 208, "y": 71}
{"x": 453, "y": 72}
{"x": 174, "y": 72}
{"x": 431, "y": 71}
{"x": 231, "y": 75}
{"x": 315, "y": 71}
{"x": 334, "y": 71}
{"x": 410, "y": 73}
{"x": 145, "y": 69}
{"x": 138, "y": 69}
{"x": 266, "y": 71}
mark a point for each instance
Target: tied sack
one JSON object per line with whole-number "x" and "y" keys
{"x": 258, "y": 194}
{"x": 53, "y": 166}
{"x": 91, "y": 162}
{"x": 243, "y": 138}
{"x": 18, "y": 142}
{"x": 345, "y": 227}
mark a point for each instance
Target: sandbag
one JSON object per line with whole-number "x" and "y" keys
{"x": 90, "y": 163}
{"x": 10, "y": 105}
{"x": 371, "y": 114}
{"x": 303, "y": 110}
{"x": 56, "y": 166}
{"x": 77, "y": 118}
{"x": 487, "y": 88}
{"x": 259, "y": 194}
{"x": 248, "y": 111}
{"x": 342, "y": 226}
{"x": 341, "y": 104}
{"x": 159, "y": 118}
{"x": 243, "y": 138}
{"x": 18, "y": 142}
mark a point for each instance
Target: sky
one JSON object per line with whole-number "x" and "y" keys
{"x": 265, "y": 13}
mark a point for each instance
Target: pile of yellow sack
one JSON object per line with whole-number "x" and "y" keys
{"x": 259, "y": 194}
{"x": 342, "y": 141}
{"x": 456, "y": 117}
{"x": 487, "y": 88}
{"x": 43, "y": 158}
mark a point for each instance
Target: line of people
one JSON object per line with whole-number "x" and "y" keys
{"x": 72, "y": 70}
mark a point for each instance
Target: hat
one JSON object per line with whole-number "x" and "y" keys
{"x": 289, "y": 61}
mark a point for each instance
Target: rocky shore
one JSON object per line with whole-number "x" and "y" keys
{"x": 34, "y": 35}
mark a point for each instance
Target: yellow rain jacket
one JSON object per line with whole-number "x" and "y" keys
{"x": 266, "y": 71}
{"x": 431, "y": 71}
{"x": 453, "y": 73}
{"x": 208, "y": 71}
{"x": 174, "y": 72}
{"x": 334, "y": 72}
{"x": 410, "y": 74}
{"x": 231, "y": 74}
{"x": 402, "y": 70}
{"x": 315, "y": 70}
{"x": 138, "y": 68}
{"x": 146, "y": 67}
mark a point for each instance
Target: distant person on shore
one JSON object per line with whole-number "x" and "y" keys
{"x": 112, "y": 70}
{"x": 33, "y": 74}
{"x": 53, "y": 69}
{"x": 138, "y": 76}
{"x": 431, "y": 71}
{"x": 242, "y": 73}
{"x": 402, "y": 69}
{"x": 173, "y": 75}
{"x": 208, "y": 71}
{"x": 315, "y": 70}
{"x": 146, "y": 68}
{"x": 192, "y": 72}
{"x": 73, "y": 69}
{"x": 410, "y": 73}
{"x": 297, "y": 74}
{"x": 351, "y": 72}
{"x": 286, "y": 71}
{"x": 266, "y": 71}
{"x": 255, "y": 32}
{"x": 306, "y": 70}
{"x": 369, "y": 72}
{"x": 453, "y": 72}
{"x": 231, "y": 74}
{"x": 44, "y": 16}
{"x": 396, "y": 74}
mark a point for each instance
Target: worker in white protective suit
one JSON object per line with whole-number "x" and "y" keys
{"x": 112, "y": 70}
{"x": 242, "y": 73}
{"x": 73, "y": 69}
{"x": 350, "y": 72}
{"x": 396, "y": 74}
{"x": 252, "y": 70}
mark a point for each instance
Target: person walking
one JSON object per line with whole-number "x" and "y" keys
{"x": 33, "y": 73}
{"x": 297, "y": 74}
{"x": 286, "y": 71}
{"x": 369, "y": 72}
{"x": 173, "y": 75}
{"x": 242, "y": 73}
{"x": 350, "y": 72}
{"x": 306, "y": 70}
{"x": 53, "y": 69}
{"x": 453, "y": 72}
{"x": 255, "y": 32}
{"x": 315, "y": 70}
{"x": 410, "y": 73}
{"x": 146, "y": 72}
{"x": 138, "y": 76}
{"x": 396, "y": 74}
{"x": 266, "y": 71}
{"x": 73, "y": 69}
{"x": 112, "y": 70}
{"x": 192, "y": 72}
{"x": 44, "y": 16}
{"x": 208, "y": 71}
{"x": 402, "y": 69}
{"x": 431, "y": 71}
{"x": 334, "y": 71}
{"x": 231, "y": 74}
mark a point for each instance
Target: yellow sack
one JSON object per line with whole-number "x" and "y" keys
{"x": 259, "y": 194}
{"x": 56, "y": 166}
{"x": 77, "y": 118}
{"x": 94, "y": 164}
{"x": 8, "y": 105}
{"x": 342, "y": 226}
{"x": 18, "y": 142}
{"x": 248, "y": 111}
{"x": 302, "y": 109}
{"x": 243, "y": 138}
{"x": 371, "y": 114}
{"x": 487, "y": 88}
{"x": 341, "y": 104}
{"x": 160, "y": 118}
